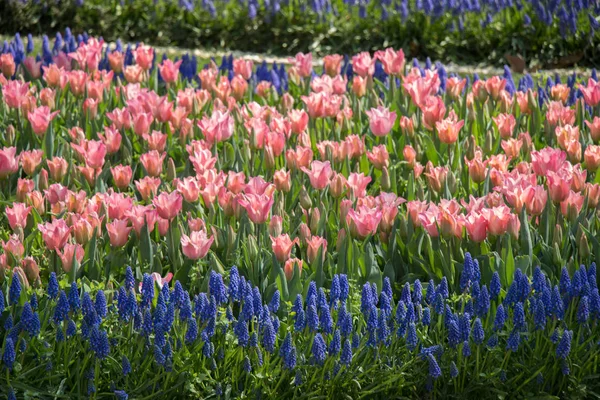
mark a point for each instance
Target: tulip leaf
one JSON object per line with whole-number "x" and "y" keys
{"x": 146, "y": 249}
{"x": 430, "y": 150}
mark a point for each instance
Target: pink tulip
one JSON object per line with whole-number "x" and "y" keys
{"x": 436, "y": 177}
{"x": 153, "y": 162}
{"x": 40, "y": 119}
{"x": 196, "y": 245}
{"x": 392, "y": 60}
{"x": 363, "y": 65}
{"x": 7, "y": 65}
{"x": 381, "y": 120}
{"x": 15, "y": 93}
{"x": 118, "y": 232}
{"x": 572, "y": 204}
{"x": 257, "y": 206}
{"x": 30, "y": 160}
{"x": 70, "y": 252}
{"x": 303, "y": 64}
{"x": 558, "y": 186}
{"x": 9, "y": 162}
{"x": 332, "y": 64}
{"x": 594, "y": 127}
{"x": 169, "y": 71}
{"x": 558, "y": 114}
{"x": 512, "y": 147}
{"x": 33, "y": 67}
{"x": 117, "y": 204}
{"x": 168, "y": 205}
{"x": 141, "y": 123}
{"x": 122, "y": 176}
{"x": 364, "y": 221}
{"x": 282, "y": 180}
{"x": 242, "y": 68}
{"x": 357, "y": 185}
{"x": 17, "y": 215}
{"x": 379, "y": 156}
{"x": 591, "y": 93}
{"x": 494, "y": 86}
{"x": 189, "y": 188}
{"x": 219, "y": 127}
{"x": 288, "y": 269}
{"x": 14, "y": 246}
{"x": 592, "y": 191}
{"x": 359, "y": 86}
{"x": 455, "y": 87}
{"x": 497, "y": 219}
{"x": 433, "y": 110}
{"x": 111, "y": 139}
{"x": 275, "y": 226}
{"x": 313, "y": 245}
{"x": 506, "y": 124}
{"x": 319, "y": 174}
{"x": 299, "y": 120}
{"x": 147, "y": 186}
{"x": 476, "y": 225}
{"x": 58, "y": 168}
{"x": 547, "y": 160}
{"x": 282, "y": 247}
{"x": 449, "y": 128}
{"x": 514, "y": 226}
{"x": 592, "y": 157}
{"x": 144, "y": 55}
{"x": 116, "y": 61}
{"x": 55, "y": 234}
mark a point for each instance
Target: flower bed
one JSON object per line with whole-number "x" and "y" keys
{"x": 118, "y": 165}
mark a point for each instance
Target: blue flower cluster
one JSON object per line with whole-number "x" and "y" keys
{"x": 276, "y": 74}
{"x": 323, "y": 330}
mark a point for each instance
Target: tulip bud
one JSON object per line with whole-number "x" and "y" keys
{"x": 43, "y": 180}
{"x": 231, "y": 236}
{"x": 531, "y": 100}
{"x": 556, "y": 257}
{"x": 109, "y": 291}
{"x": 219, "y": 241}
{"x": 287, "y": 102}
{"x": 403, "y": 226}
{"x": 305, "y": 233}
{"x": 340, "y": 239}
{"x": 305, "y": 201}
{"x": 337, "y": 186}
{"x": 488, "y": 143}
{"x": 558, "y": 236}
{"x": 103, "y": 211}
{"x": 279, "y": 206}
{"x": 385, "y": 179}
{"x": 384, "y": 237}
{"x": 19, "y": 274}
{"x": 471, "y": 146}
{"x": 345, "y": 206}
{"x": 451, "y": 182}
{"x": 31, "y": 269}
{"x": 584, "y": 247}
{"x": 579, "y": 233}
{"x": 171, "y": 170}
{"x": 514, "y": 225}
{"x": 10, "y": 134}
{"x": 247, "y": 152}
{"x": 252, "y": 247}
{"x": 420, "y": 192}
{"x": 275, "y": 226}
{"x": 315, "y": 217}
{"x": 269, "y": 158}
{"x": 126, "y": 155}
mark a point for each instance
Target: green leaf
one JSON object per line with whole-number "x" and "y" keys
{"x": 430, "y": 150}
